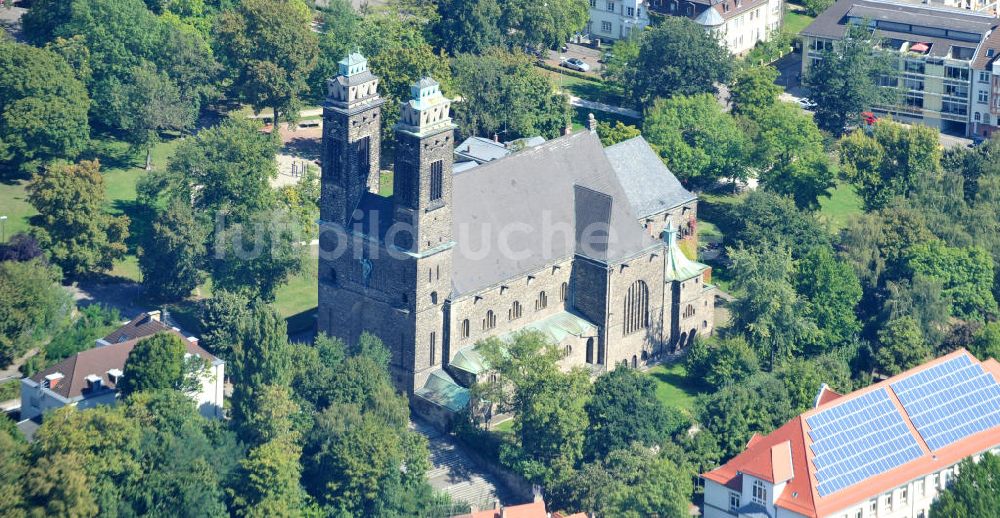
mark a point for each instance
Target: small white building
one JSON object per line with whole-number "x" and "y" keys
{"x": 740, "y": 24}
{"x": 883, "y": 451}
{"x": 89, "y": 378}
{"x": 617, "y": 19}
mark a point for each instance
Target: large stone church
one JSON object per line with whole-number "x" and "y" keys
{"x": 576, "y": 240}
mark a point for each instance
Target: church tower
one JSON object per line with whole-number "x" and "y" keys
{"x": 351, "y": 139}
{"x": 422, "y": 191}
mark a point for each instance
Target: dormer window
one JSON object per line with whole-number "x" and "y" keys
{"x": 759, "y": 493}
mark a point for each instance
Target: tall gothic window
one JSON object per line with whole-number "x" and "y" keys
{"x": 563, "y": 292}
{"x": 465, "y": 328}
{"x": 433, "y": 348}
{"x": 437, "y": 180}
{"x": 403, "y": 188}
{"x": 364, "y": 155}
{"x": 689, "y": 311}
{"x": 332, "y": 172}
{"x": 490, "y": 321}
{"x": 542, "y": 301}
{"x": 636, "y": 308}
{"x": 515, "y": 311}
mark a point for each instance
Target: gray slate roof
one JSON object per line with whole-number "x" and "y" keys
{"x": 565, "y": 183}
{"x": 481, "y": 149}
{"x": 651, "y": 187}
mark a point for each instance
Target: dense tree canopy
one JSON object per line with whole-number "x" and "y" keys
{"x": 43, "y": 109}
{"x": 503, "y": 93}
{"x": 268, "y": 49}
{"x": 160, "y": 362}
{"x": 32, "y": 303}
{"x": 974, "y": 492}
{"x": 73, "y": 226}
{"x": 172, "y": 255}
{"x": 677, "y": 57}
{"x": 697, "y": 139}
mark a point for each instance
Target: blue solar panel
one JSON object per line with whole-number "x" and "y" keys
{"x": 858, "y": 439}
{"x": 950, "y": 401}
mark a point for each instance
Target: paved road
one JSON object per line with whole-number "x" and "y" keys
{"x": 597, "y": 106}
{"x": 453, "y": 472}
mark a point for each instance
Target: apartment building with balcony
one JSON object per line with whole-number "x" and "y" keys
{"x": 935, "y": 47}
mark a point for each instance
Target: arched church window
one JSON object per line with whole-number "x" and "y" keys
{"x": 465, "y": 328}
{"x": 689, "y": 311}
{"x": 515, "y": 311}
{"x": 563, "y": 291}
{"x": 434, "y": 297}
{"x": 490, "y": 321}
{"x": 542, "y": 301}
{"x": 636, "y": 309}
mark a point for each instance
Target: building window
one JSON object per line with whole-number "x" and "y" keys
{"x": 434, "y": 297}
{"x": 962, "y": 74}
{"x": 333, "y": 173}
{"x": 490, "y": 321}
{"x": 606, "y": 26}
{"x": 630, "y": 11}
{"x": 903, "y": 494}
{"x": 590, "y": 350}
{"x": 465, "y": 328}
{"x": 978, "y": 117}
{"x": 563, "y": 292}
{"x": 984, "y": 76}
{"x": 759, "y": 494}
{"x": 437, "y": 178}
{"x": 888, "y": 501}
{"x": 689, "y": 311}
{"x": 984, "y": 96}
{"x": 593, "y": 3}
{"x": 611, "y": 7}
{"x": 433, "y": 342}
{"x": 636, "y": 308}
{"x": 364, "y": 156}
{"x": 515, "y": 311}
{"x": 542, "y": 301}
{"x": 872, "y": 507}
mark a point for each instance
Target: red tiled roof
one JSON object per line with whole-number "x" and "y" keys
{"x": 532, "y": 510}
{"x": 800, "y": 495}
{"x": 99, "y": 360}
{"x": 826, "y": 395}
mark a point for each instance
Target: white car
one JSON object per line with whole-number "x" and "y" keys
{"x": 806, "y": 103}
{"x": 575, "y": 64}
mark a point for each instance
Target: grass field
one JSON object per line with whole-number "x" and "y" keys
{"x": 673, "y": 388}
{"x": 842, "y": 204}
{"x": 795, "y": 22}
{"x": 580, "y": 118}
{"x": 583, "y": 88}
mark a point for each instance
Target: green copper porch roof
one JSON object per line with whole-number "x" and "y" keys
{"x": 441, "y": 390}
{"x": 679, "y": 267}
{"x": 555, "y": 328}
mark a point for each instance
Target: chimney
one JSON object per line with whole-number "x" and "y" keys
{"x": 591, "y": 123}
{"x": 154, "y": 315}
{"x": 536, "y": 493}
{"x": 52, "y": 380}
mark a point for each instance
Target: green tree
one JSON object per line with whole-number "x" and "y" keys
{"x": 831, "y": 291}
{"x": 767, "y": 220}
{"x": 845, "y": 82}
{"x": 974, "y": 492}
{"x": 754, "y": 90}
{"x": 159, "y": 362}
{"x": 224, "y": 171}
{"x": 814, "y": 7}
{"x": 966, "y": 275}
{"x": 678, "y": 57}
{"x": 43, "y": 108}
{"x": 697, "y": 139}
{"x": 890, "y": 162}
{"x": 257, "y": 256}
{"x": 770, "y": 314}
{"x": 260, "y": 358}
{"x": 624, "y": 410}
{"x": 986, "y": 341}
{"x": 619, "y": 63}
{"x": 790, "y": 154}
{"x": 901, "y": 346}
{"x": 339, "y": 37}
{"x": 268, "y": 49}
{"x": 737, "y": 411}
{"x": 13, "y": 468}
{"x": 504, "y": 93}
{"x": 172, "y": 255}
{"x": 32, "y": 303}
{"x": 620, "y": 132}
{"x": 80, "y": 236}
{"x": 268, "y": 484}
{"x": 219, "y": 321}
{"x": 272, "y": 416}
{"x": 543, "y": 25}
{"x": 58, "y": 486}
{"x": 719, "y": 362}
{"x": 803, "y": 377}
{"x": 468, "y": 26}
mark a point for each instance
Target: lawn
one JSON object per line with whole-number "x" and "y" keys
{"x": 584, "y": 88}
{"x": 14, "y": 205}
{"x": 842, "y": 204}
{"x": 580, "y": 116}
{"x": 673, "y": 388}
{"x": 10, "y": 389}
{"x": 796, "y": 21}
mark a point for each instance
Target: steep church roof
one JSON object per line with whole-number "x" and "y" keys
{"x": 522, "y": 212}
{"x": 650, "y": 186}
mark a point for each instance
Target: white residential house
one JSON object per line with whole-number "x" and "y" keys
{"x": 883, "y": 451}
{"x": 89, "y": 378}
{"x": 740, "y": 24}
{"x": 617, "y": 19}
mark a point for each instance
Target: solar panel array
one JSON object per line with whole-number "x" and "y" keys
{"x": 858, "y": 439}
{"x": 950, "y": 401}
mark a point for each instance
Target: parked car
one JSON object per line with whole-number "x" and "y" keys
{"x": 575, "y": 64}
{"x": 806, "y": 103}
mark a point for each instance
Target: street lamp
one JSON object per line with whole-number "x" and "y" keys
{"x": 3, "y": 229}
